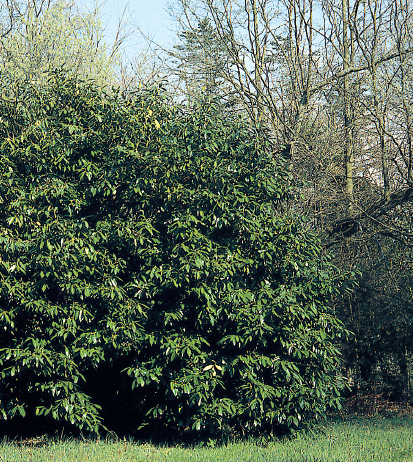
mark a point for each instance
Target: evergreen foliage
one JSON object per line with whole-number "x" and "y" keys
{"x": 201, "y": 59}
{"x": 148, "y": 273}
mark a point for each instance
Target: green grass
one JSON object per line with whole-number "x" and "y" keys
{"x": 359, "y": 440}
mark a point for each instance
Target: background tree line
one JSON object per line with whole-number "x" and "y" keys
{"x": 327, "y": 86}
{"x": 332, "y": 83}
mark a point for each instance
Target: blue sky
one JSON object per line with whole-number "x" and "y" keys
{"x": 150, "y": 15}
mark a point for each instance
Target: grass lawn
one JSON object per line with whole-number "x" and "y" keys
{"x": 356, "y": 440}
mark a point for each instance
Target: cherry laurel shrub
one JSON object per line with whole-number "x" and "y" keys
{"x": 146, "y": 261}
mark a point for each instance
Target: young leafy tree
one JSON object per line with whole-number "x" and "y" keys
{"x": 53, "y": 34}
{"x": 145, "y": 249}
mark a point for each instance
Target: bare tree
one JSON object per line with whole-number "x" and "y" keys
{"x": 286, "y": 67}
{"x": 9, "y": 12}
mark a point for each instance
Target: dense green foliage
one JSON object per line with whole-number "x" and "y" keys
{"x": 148, "y": 271}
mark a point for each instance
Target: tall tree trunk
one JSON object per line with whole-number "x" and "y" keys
{"x": 300, "y": 74}
{"x": 348, "y": 154}
{"x": 258, "y": 63}
{"x": 379, "y": 114}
